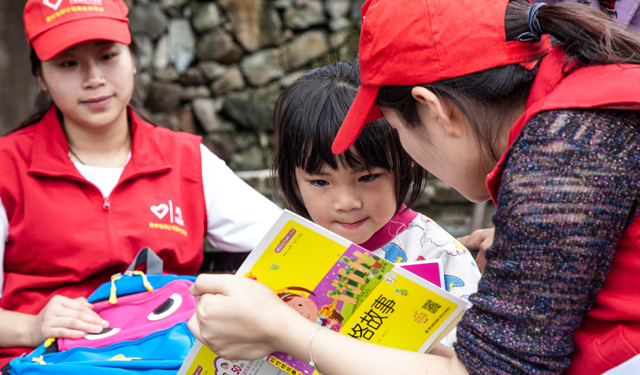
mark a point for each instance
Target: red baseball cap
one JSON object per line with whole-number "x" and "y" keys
{"x": 412, "y": 42}
{"x": 55, "y": 25}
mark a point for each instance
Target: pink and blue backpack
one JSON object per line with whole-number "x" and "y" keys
{"x": 147, "y": 333}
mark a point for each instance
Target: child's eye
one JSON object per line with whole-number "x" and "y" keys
{"x": 319, "y": 183}
{"x": 369, "y": 177}
{"x": 68, "y": 63}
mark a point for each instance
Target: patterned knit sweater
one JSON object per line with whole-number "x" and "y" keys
{"x": 571, "y": 186}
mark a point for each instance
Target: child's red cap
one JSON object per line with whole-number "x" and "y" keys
{"x": 412, "y": 42}
{"x": 55, "y": 25}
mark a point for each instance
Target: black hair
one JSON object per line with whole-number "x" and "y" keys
{"x": 489, "y": 98}
{"x": 307, "y": 117}
{"x": 43, "y": 100}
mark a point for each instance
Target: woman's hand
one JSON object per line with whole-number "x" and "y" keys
{"x": 480, "y": 240}
{"x": 238, "y": 318}
{"x": 63, "y": 317}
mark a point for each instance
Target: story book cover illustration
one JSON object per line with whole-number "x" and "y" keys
{"x": 340, "y": 286}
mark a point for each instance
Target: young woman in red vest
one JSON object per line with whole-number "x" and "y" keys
{"x": 476, "y": 90}
{"x": 86, "y": 183}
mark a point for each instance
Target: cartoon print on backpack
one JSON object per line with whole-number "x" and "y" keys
{"x": 107, "y": 332}
{"x": 137, "y": 315}
{"x": 166, "y": 308}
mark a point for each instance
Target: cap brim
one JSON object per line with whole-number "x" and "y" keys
{"x": 53, "y": 41}
{"x": 362, "y": 111}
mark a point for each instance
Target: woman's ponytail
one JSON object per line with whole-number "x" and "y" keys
{"x": 587, "y": 35}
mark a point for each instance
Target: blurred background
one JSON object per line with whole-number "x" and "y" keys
{"x": 215, "y": 68}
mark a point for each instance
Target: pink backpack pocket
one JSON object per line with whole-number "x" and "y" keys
{"x": 137, "y": 315}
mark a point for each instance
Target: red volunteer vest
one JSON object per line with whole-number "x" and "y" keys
{"x": 66, "y": 238}
{"x": 610, "y": 333}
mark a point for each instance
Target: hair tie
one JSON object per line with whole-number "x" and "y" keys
{"x": 287, "y": 295}
{"x": 535, "y": 31}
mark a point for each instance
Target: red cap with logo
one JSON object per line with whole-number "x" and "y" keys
{"x": 55, "y": 25}
{"x": 412, "y": 42}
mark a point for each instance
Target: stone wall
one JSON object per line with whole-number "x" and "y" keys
{"x": 216, "y": 68}
{"x": 17, "y": 86}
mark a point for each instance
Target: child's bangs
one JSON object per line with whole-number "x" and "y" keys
{"x": 373, "y": 148}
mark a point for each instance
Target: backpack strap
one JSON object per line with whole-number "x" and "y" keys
{"x": 153, "y": 261}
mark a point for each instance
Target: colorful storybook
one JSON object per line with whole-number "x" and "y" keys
{"x": 340, "y": 286}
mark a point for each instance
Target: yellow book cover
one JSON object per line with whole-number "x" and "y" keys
{"x": 340, "y": 286}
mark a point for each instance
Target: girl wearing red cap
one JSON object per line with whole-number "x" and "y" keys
{"x": 476, "y": 90}
{"x": 86, "y": 183}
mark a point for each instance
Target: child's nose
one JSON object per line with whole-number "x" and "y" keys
{"x": 347, "y": 200}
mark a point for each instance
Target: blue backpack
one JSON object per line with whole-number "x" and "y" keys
{"x": 159, "y": 353}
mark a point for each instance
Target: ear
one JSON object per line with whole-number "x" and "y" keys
{"x": 310, "y": 304}
{"x": 41, "y": 81}
{"x": 436, "y": 107}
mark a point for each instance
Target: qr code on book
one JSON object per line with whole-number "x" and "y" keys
{"x": 431, "y": 306}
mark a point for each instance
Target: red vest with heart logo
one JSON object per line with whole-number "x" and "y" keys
{"x": 610, "y": 332}
{"x": 66, "y": 238}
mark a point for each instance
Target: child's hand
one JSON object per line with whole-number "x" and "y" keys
{"x": 63, "y": 317}
{"x": 480, "y": 240}
{"x": 238, "y": 318}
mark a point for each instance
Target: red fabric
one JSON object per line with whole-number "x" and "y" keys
{"x": 419, "y": 41}
{"x": 362, "y": 112}
{"x": 610, "y": 333}
{"x": 399, "y": 223}
{"x": 52, "y": 26}
{"x": 65, "y": 238}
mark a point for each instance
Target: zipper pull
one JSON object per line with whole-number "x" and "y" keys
{"x": 113, "y": 298}
{"x": 38, "y": 360}
{"x": 107, "y": 204}
{"x": 49, "y": 342}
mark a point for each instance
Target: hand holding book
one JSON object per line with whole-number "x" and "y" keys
{"x": 328, "y": 289}
{"x": 238, "y": 317}
{"x": 241, "y": 318}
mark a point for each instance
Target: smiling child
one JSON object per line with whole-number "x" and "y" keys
{"x": 359, "y": 194}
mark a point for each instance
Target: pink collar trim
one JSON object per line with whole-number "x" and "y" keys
{"x": 389, "y": 231}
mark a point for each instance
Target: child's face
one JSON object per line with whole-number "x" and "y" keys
{"x": 352, "y": 203}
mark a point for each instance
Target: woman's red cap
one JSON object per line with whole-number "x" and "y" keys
{"x": 55, "y": 25}
{"x": 412, "y": 42}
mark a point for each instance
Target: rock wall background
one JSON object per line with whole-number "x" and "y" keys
{"x": 217, "y": 67}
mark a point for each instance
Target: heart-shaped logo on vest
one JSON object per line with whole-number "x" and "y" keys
{"x": 160, "y": 210}
{"x": 51, "y": 5}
